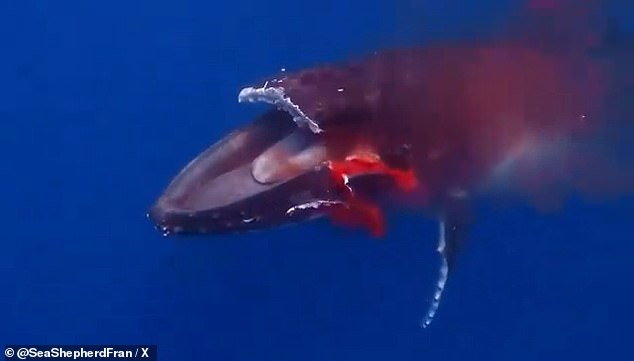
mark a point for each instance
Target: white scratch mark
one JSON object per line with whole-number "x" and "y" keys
{"x": 277, "y": 97}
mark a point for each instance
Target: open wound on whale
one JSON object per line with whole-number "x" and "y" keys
{"x": 356, "y": 211}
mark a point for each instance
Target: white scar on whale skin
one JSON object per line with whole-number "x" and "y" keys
{"x": 314, "y": 205}
{"x": 277, "y": 97}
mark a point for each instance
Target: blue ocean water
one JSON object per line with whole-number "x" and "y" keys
{"x": 102, "y": 102}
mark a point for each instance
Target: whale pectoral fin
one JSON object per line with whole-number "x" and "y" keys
{"x": 453, "y": 231}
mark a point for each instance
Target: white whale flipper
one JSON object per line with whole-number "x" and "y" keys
{"x": 452, "y": 235}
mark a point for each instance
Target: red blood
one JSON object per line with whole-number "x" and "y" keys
{"x": 357, "y": 211}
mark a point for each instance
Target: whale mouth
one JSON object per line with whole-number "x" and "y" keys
{"x": 252, "y": 178}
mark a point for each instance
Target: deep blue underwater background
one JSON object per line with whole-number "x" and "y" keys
{"x": 102, "y": 102}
